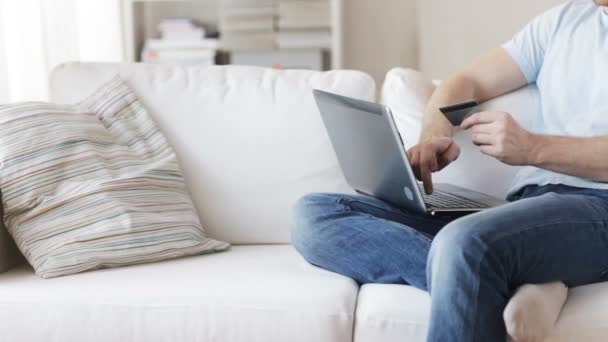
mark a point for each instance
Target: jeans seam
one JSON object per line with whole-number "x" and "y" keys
{"x": 415, "y": 231}
{"x": 477, "y": 287}
{"x": 345, "y": 201}
{"x": 544, "y": 225}
{"x": 341, "y": 201}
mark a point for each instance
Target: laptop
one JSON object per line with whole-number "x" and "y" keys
{"x": 373, "y": 159}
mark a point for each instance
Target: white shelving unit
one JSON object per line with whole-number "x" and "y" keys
{"x": 140, "y": 18}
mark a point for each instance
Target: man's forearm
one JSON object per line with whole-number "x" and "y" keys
{"x": 491, "y": 75}
{"x": 454, "y": 90}
{"x": 581, "y": 157}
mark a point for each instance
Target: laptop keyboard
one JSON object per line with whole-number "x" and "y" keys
{"x": 445, "y": 200}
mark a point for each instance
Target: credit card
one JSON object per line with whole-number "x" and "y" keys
{"x": 457, "y": 113}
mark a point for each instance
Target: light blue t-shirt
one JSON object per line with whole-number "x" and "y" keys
{"x": 565, "y": 51}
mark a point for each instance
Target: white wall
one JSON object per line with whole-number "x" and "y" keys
{"x": 37, "y": 35}
{"x": 436, "y": 36}
{"x": 379, "y": 35}
{"x": 454, "y": 32}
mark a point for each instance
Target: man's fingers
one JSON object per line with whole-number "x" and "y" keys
{"x": 484, "y": 128}
{"x": 414, "y": 157}
{"x": 489, "y": 150}
{"x": 450, "y": 155}
{"x": 427, "y": 180}
{"x": 431, "y": 156}
{"x": 441, "y": 144}
{"x": 477, "y": 119}
{"x": 428, "y": 159}
{"x": 428, "y": 165}
{"x": 482, "y": 139}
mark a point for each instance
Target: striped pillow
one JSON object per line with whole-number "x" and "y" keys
{"x": 94, "y": 185}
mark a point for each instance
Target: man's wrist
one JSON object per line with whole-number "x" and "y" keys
{"x": 536, "y": 146}
{"x": 435, "y": 125}
{"x": 430, "y": 133}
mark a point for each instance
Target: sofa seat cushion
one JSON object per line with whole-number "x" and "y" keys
{"x": 251, "y": 293}
{"x": 396, "y": 313}
{"x": 583, "y": 317}
{"x": 391, "y": 313}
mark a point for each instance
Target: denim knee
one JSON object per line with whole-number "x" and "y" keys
{"x": 301, "y": 223}
{"x": 458, "y": 248}
{"x": 306, "y": 221}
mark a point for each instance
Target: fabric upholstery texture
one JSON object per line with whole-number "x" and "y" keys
{"x": 249, "y": 294}
{"x": 94, "y": 185}
{"x": 250, "y": 140}
{"x": 392, "y": 313}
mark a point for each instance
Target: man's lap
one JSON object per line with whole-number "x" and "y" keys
{"x": 427, "y": 224}
{"x": 555, "y": 233}
{"x": 550, "y": 233}
{"x": 531, "y": 206}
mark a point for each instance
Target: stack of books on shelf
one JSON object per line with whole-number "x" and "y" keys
{"x": 304, "y": 24}
{"x": 247, "y": 24}
{"x": 182, "y": 42}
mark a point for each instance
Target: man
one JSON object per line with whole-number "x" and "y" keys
{"x": 556, "y": 225}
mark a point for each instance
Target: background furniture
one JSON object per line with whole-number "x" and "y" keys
{"x": 435, "y": 36}
{"x": 141, "y": 17}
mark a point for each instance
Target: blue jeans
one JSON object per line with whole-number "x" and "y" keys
{"x": 471, "y": 265}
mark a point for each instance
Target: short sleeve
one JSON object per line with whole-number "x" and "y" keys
{"x": 528, "y": 46}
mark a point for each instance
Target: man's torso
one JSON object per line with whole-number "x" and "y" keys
{"x": 573, "y": 84}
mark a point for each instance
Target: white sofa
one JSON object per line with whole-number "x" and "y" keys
{"x": 250, "y": 142}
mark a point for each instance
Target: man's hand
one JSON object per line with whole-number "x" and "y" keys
{"x": 494, "y": 74}
{"x": 432, "y": 155}
{"x": 498, "y": 135}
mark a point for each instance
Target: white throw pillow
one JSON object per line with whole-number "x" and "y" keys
{"x": 94, "y": 185}
{"x": 406, "y": 92}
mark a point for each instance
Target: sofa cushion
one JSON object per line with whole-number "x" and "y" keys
{"x": 583, "y": 317}
{"x": 94, "y": 185}
{"x": 407, "y": 91}
{"x": 250, "y": 140}
{"x": 391, "y": 313}
{"x": 252, "y": 293}
{"x": 396, "y": 313}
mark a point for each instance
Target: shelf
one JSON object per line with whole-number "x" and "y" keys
{"x": 140, "y": 17}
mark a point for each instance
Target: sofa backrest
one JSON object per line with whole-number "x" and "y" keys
{"x": 250, "y": 140}
{"x": 407, "y": 91}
